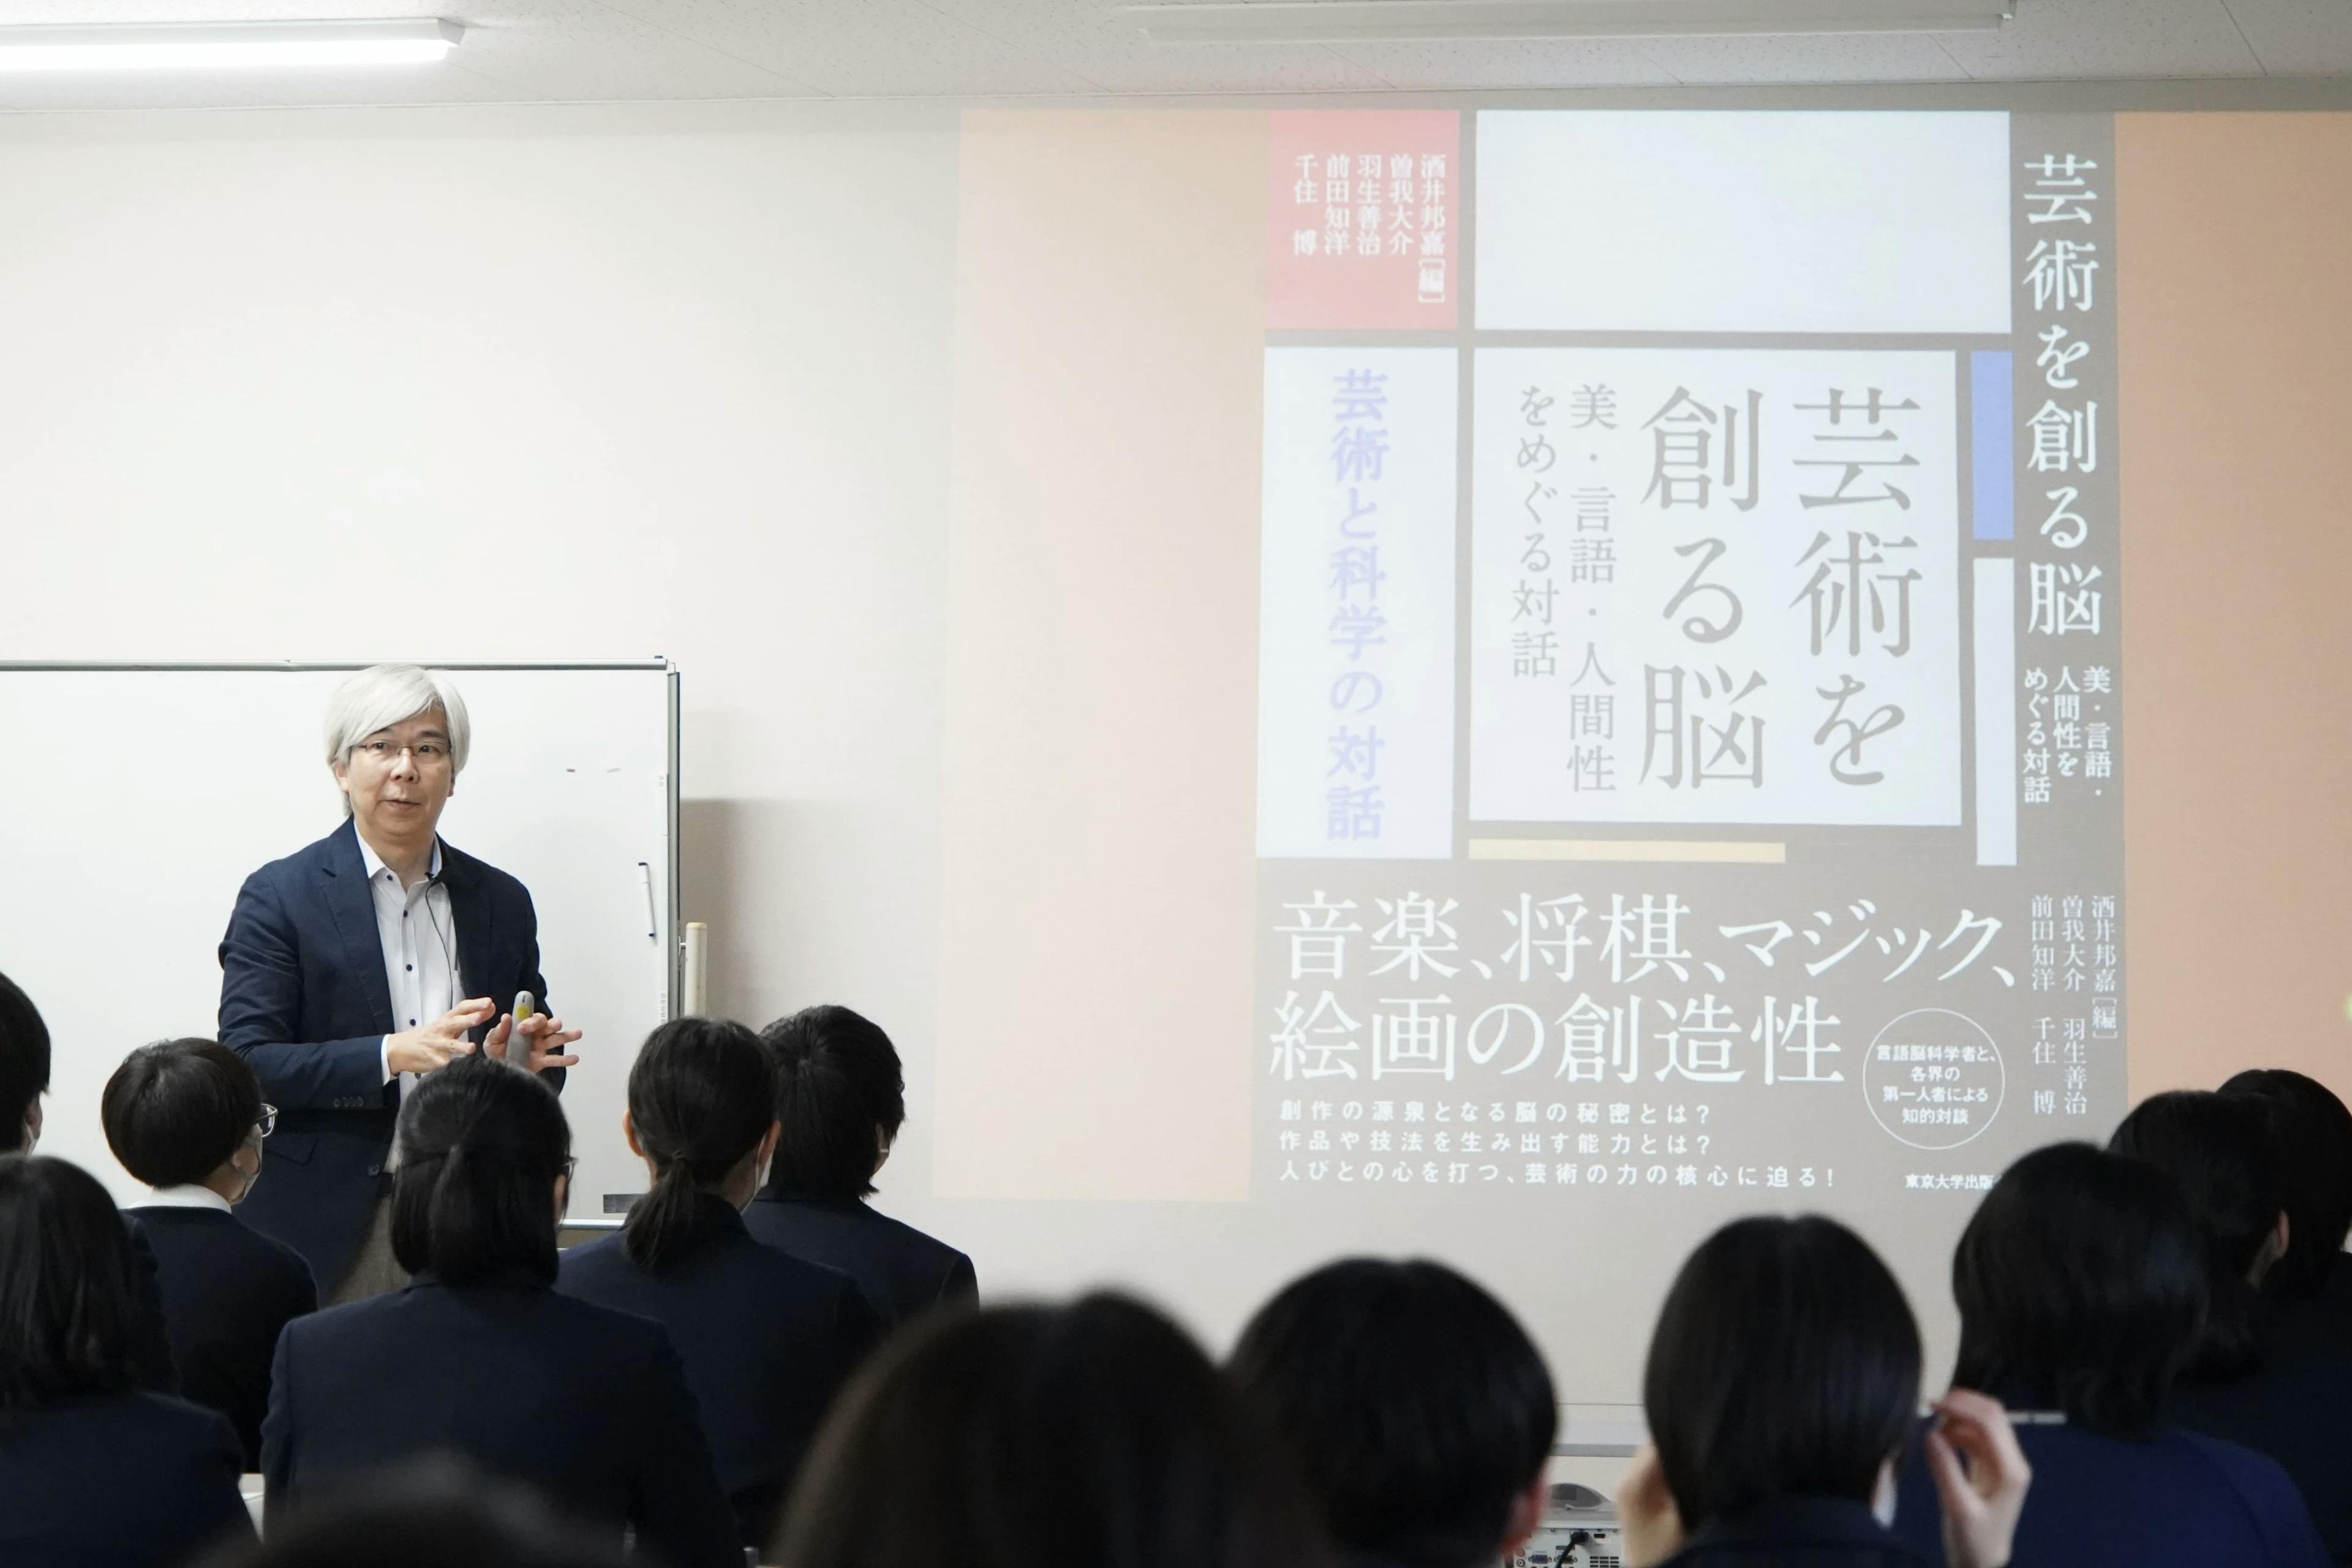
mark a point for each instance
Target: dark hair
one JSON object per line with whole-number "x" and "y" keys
{"x": 837, "y": 1081}
{"x": 2313, "y": 1134}
{"x": 481, "y": 1145}
{"x": 67, "y": 1319}
{"x": 1412, "y": 1402}
{"x": 2081, "y": 1285}
{"x": 175, "y": 1111}
{"x": 432, "y": 1514}
{"x": 1091, "y": 1435}
{"x": 2217, "y": 1148}
{"x": 702, "y": 1096}
{"x": 1785, "y": 1361}
{"x": 24, "y": 1062}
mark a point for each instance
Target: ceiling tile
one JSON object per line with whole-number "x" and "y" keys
{"x": 1869, "y": 57}
{"x": 2297, "y": 37}
{"x": 1092, "y": 39}
{"x": 1527, "y": 63}
{"x": 25, "y": 94}
{"x": 872, "y": 48}
{"x": 2150, "y": 38}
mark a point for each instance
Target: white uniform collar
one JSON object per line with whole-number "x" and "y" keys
{"x": 184, "y": 1197}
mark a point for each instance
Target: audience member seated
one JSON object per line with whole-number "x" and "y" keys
{"x": 840, "y": 1098}
{"x": 429, "y": 1515}
{"x": 1782, "y": 1379}
{"x": 1091, "y": 1435}
{"x": 186, "y": 1117}
{"x": 1413, "y": 1406}
{"x": 24, "y": 1079}
{"x": 768, "y": 1339}
{"x": 2082, "y": 1288}
{"x": 2294, "y": 1403}
{"x": 479, "y": 1358}
{"x": 93, "y": 1469}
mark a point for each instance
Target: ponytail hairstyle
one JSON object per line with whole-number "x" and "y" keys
{"x": 2218, "y": 1148}
{"x": 480, "y": 1147}
{"x": 702, "y": 1096}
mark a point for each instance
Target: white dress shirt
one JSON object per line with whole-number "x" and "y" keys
{"x": 419, "y": 934}
{"x": 184, "y": 1197}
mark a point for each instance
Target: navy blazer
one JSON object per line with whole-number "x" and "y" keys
{"x": 1794, "y": 1532}
{"x": 767, "y": 1339}
{"x": 2112, "y": 1502}
{"x": 117, "y": 1480}
{"x": 902, "y": 1271}
{"x": 587, "y": 1406}
{"x": 2295, "y": 1406}
{"x": 227, "y": 1290}
{"x": 304, "y": 1001}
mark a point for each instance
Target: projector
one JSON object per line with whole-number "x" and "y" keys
{"x": 1579, "y": 1530}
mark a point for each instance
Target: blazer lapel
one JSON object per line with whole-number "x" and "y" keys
{"x": 354, "y": 908}
{"x": 477, "y": 932}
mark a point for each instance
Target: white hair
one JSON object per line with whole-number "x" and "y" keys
{"x": 388, "y": 694}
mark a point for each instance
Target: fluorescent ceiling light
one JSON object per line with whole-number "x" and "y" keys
{"x": 1433, "y": 21}
{"x": 209, "y": 45}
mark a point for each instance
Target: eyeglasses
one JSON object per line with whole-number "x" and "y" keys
{"x": 427, "y": 753}
{"x": 268, "y": 1122}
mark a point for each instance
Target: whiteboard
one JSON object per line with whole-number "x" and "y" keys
{"x": 135, "y": 802}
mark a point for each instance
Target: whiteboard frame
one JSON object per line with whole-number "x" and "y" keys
{"x": 674, "y": 971}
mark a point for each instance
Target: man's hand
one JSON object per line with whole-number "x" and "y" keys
{"x": 1981, "y": 1478}
{"x": 1646, "y": 1513}
{"x": 541, "y": 1042}
{"x": 431, "y": 1048}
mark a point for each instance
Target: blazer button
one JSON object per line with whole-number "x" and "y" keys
{"x": 376, "y": 1170}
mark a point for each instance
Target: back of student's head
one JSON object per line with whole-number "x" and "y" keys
{"x": 841, "y": 1096}
{"x": 1785, "y": 1362}
{"x": 67, "y": 1324}
{"x": 430, "y": 1515}
{"x": 2313, "y": 1134}
{"x": 23, "y": 1064}
{"x": 175, "y": 1111}
{"x": 2217, "y": 1148}
{"x": 2081, "y": 1285}
{"x": 701, "y": 1098}
{"x": 1091, "y": 1435}
{"x": 1413, "y": 1405}
{"x": 481, "y": 1147}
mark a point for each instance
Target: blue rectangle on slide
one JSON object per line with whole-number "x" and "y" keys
{"x": 1989, "y": 412}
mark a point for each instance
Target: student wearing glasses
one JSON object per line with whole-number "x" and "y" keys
{"x": 356, "y": 967}
{"x": 186, "y": 1117}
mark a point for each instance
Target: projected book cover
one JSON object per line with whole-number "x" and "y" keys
{"x": 1689, "y": 763}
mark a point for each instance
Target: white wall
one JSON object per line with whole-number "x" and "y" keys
{"x": 561, "y": 383}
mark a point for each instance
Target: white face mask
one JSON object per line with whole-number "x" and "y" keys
{"x": 1882, "y": 1501}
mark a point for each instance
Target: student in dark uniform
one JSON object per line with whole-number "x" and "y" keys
{"x": 186, "y": 1117}
{"x": 24, "y": 1079}
{"x": 1090, "y": 1435}
{"x": 2288, "y": 1390}
{"x": 93, "y": 1470}
{"x": 841, "y": 1098}
{"x": 768, "y": 1339}
{"x": 2082, "y": 1286}
{"x": 1782, "y": 1378}
{"x": 1418, "y": 1413}
{"x": 480, "y": 1359}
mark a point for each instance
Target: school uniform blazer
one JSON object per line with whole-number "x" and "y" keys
{"x": 902, "y": 1271}
{"x": 1799, "y": 1532}
{"x": 227, "y": 1290}
{"x": 2295, "y": 1406}
{"x": 588, "y": 1407}
{"x": 304, "y": 1000}
{"x": 767, "y": 1339}
{"x": 117, "y": 1480}
{"x": 2115, "y": 1502}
